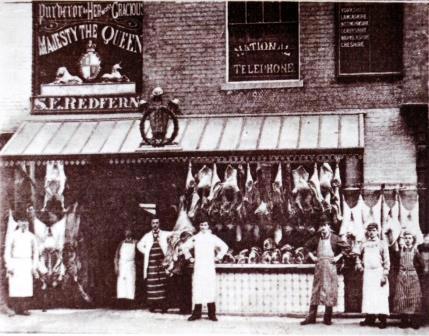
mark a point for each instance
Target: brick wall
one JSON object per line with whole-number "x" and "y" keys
{"x": 184, "y": 52}
{"x": 416, "y": 53}
{"x": 189, "y": 62}
{"x": 390, "y": 154}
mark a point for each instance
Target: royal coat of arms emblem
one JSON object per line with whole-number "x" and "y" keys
{"x": 90, "y": 62}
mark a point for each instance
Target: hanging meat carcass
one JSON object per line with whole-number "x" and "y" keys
{"x": 409, "y": 218}
{"x": 205, "y": 176}
{"x": 277, "y": 198}
{"x": 55, "y": 181}
{"x": 301, "y": 192}
{"x": 195, "y": 203}
{"x": 73, "y": 253}
{"x": 182, "y": 231}
{"x": 215, "y": 184}
{"x": 300, "y": 179}
{"x": 391, "y": 225}
{"x": 372, "y": 214}
{"x": 191, "y": 195}
{"x": 314, "y": 184}
{"x": 249, "y": 180}
{"x": 278, "y": 201}
{"x": 278, "y": 234}
{"x": 50, "y": 244}
{"x": 336, "y": 180}
{"x": 325, "y": 177}
{"x": 230, "y": 180}
{"x": 352, "y": 223}
{"x": 72, "y": 223}
{"x": 190, "y": 180}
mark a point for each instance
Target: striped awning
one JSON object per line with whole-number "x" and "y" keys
{"x": 64, "y": 136}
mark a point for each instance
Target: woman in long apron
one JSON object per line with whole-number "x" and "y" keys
{"x": 21, "y": 257}
{"x": 408, "y": 296}
{"x": 125, "y": 269}
{"x": 205, "y": 245}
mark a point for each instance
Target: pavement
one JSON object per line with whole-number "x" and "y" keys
{"x": 109, "y": 321}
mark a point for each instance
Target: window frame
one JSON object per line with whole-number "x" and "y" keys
{"x": 371, "y": 75}
{"x": 263, "y": 84}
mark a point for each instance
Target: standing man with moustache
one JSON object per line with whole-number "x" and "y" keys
{"x": 154, "y": 246}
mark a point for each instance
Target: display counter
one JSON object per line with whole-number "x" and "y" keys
{"x": 267, "y": 289}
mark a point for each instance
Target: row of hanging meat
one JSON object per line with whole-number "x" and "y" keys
{"x": 261, "y": 201}
{"x": 392, "y": 217}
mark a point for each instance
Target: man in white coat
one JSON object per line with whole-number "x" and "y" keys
{"x": 125, "y": 269}
{"x": 21, "y": 256}
{"x": 154, "y": 246}
{"x": 205, "y": 245}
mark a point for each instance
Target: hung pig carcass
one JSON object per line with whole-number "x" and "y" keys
{"x": 182, "y": 231}
{"x": 55, "y": 181}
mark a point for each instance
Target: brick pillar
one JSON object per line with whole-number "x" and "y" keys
{"x": 416, "y": 116}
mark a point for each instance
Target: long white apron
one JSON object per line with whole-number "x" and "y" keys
{"x": 204, "y": 279}
{"x": 126, "y": 284}
{"x": 21, "y": 281}
{"x": 375, "y": 298}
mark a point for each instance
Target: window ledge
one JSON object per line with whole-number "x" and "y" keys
{"x": 262, "y": 85}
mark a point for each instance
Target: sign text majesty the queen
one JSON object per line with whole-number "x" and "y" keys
{"x": 86, "y": 49}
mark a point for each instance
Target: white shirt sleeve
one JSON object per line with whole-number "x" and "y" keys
{"x": 223, "y": 248}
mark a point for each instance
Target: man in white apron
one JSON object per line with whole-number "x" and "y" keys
{"x": 374, "y": 255}
{"x": 205, "y": 245}
{"x": 125, "y": 269}
{"x": 21, "y": 257}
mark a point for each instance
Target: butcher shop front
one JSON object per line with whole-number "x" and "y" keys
{"x": 264, "y": 183}
{"x": 266, "y": 142}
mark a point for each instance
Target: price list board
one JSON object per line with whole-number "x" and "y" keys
{"x": 369, "y": 39}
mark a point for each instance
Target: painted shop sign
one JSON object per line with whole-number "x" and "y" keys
{"x": 368, "y": 39}
{"x": 86, "y": 49}
{"x": 94, "y": 104}
{"x": 263, "y": 58}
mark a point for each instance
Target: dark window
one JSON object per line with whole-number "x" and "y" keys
{"x": 263, "y": 41}
{"x": 369, "y": 39}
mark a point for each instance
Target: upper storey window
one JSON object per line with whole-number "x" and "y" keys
{"x": 263, "y": 41}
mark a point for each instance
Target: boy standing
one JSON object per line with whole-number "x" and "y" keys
{"x": 374, "y": 255}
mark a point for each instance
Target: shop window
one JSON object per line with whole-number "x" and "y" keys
{"x": 263, "y": 41}
{"x": 369, "y": 39}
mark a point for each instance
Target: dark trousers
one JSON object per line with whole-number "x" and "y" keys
{"x": 180, "y": 291}
{"x": 19, "y": 304}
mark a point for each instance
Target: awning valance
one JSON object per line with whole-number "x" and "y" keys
{"x": 54, "y": 137}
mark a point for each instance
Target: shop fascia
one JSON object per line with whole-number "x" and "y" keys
{"x": 128, "y": 103}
